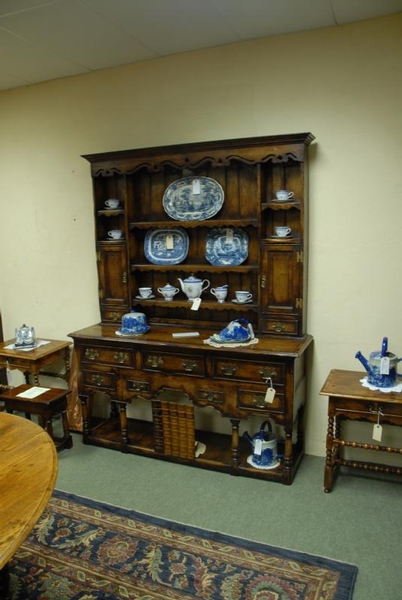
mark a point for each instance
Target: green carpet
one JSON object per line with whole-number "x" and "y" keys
{"x": 81, "y": 549}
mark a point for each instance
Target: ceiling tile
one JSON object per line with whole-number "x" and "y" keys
{"x": 31, "y": 63}
{"x": 76, "y": 33}
{"x": 347, "y": 11}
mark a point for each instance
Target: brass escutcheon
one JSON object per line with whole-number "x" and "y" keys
{"x": 267, "y": 373}
{"x": 121, "y": 357}
{"x": 278, "y": 327}
{"x": 91, "y": 354}
{"x": 229, "y": 369}
{"x": 189, "y": 365}
{"x": 154, "y": 361}
{"x": 98, "y": 380}
{"x": 259, "y": 401}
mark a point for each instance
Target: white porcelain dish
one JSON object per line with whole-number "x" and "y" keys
{"x": 226, "y": 246}
{"x": 166, "y": 246}
{"x": 193, "y": 199}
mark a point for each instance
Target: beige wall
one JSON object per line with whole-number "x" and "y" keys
{"x": 342, "y": 84}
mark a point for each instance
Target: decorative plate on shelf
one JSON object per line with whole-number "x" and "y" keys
{"x": 226, "y": 246}
{"x": 166, "y": 246}
{"x": 193, "y": 199}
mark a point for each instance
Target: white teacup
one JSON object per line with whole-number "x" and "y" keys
{"x": 115, "y": 234}
{"x": 284, "y": 194}
{"x": 112, "y": 203}
{"x": 220, "y": 293}
{"x": 282, "y": 231}
{"x": 145, "y": 292}
{"x": 243, "y": 296}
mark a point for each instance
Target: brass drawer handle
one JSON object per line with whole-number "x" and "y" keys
{"x": 154, "y": 361}
{"x": 278, "y": 327}
{"x": 267, "y": 373}
{"x": 98, "y": 380}
{"x": 114, "y": 316}
{"x": 258, "y": 401}
{"x": 121, "y": 357}
{"x": 137, "y": 386}
{"x": 229, "y": 369}
{"x": 212, "y": 397}
{"x": 91, "y": 354}
{"x": 189, "y": 365}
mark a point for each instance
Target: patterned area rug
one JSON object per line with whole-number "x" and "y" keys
{"x": 86, "y": 550}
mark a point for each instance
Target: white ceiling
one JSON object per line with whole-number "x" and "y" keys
{"x": 42, "y": 40}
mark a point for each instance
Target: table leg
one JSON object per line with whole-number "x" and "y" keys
{"x": 4, "y": 581}
{"x": 329, "y": 460}
{"x": 123, "y": 422}
{"x": 235, "y": 442}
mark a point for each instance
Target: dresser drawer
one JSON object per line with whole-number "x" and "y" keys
{"x": 100, "y": 380}
{"x": 249, "y": 371}
{"x": 107, "y": 356}
{"x": 173, "y": 363}
{"x": 254, "y": 401}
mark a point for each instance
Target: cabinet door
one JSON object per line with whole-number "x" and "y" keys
{"x": 281, "y": 288}
{"x": 113, "y": 280}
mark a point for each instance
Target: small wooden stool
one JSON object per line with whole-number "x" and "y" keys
{"x": 47, "y": 405}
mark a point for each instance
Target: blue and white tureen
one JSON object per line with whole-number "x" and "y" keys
{"x": 133, "y": 324}
{"x": 238, "y": 331}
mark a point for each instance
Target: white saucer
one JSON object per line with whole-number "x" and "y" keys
{"x": 281, "y": 237}
{"x": 147, "y": 298}
{"x": 238, "y": 301}
{"x": 273, "y": 466}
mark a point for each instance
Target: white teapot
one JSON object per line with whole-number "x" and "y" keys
{"x": 193, "y": 286}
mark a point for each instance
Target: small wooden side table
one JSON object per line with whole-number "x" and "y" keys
{"x": 348, "y": 399}
{"x": 32, "y": 362}
{"x": 49, "y": 404}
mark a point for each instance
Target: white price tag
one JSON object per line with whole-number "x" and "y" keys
{"x": 258, "y": 447}
{"x": 229, "y": 236}
{"x": 269, "y": 395}
{"x": 169, "y": 242}
{"x": 384, "y": 366}
{"x": 196, "y": 304}
{"x": 377, "y": 432}
{"x": 196, "y": 187}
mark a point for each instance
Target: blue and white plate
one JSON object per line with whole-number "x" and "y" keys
{"x": 166, "y": 246}
{"x": 193, "y": 199}
{"x": 226, "y": 246}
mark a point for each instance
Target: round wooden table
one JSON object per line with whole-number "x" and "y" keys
{"x": 28, "y": 471}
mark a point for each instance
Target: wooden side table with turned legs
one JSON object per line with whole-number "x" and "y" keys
{"x": 349, "y": 400}
{"x": 32, "y": 362}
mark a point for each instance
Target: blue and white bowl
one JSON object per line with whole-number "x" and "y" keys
{"x": 132, "y": 324}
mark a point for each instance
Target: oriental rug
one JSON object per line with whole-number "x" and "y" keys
{"x": 86, "y": 550}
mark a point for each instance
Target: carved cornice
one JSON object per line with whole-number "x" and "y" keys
{"x": 192, "y": 163}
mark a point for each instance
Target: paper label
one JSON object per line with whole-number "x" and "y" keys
{"x": 169, "y": 242}
{"x": 258, "y": 447}
{"x": 229, "y": 236}
{"x": 196, "y": 187}
{"x": 33, "y": 392}
{"x": 196, "y": 304}
{"x": 377, "y": 432}
{"x": 269, "y": 395}
{"x": 384, "y": 366}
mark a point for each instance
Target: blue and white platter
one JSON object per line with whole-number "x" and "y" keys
{"x": 166, "y": 246}
{"x": 226, "y": 246}
{"x": 193, "y": 199}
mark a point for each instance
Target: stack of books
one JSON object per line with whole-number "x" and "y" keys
{"x": 174, "y": 431}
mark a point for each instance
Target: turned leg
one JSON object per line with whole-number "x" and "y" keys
{"x": 123, "y": 422}
{"x": 235, "y": 442}
{"x": 329, "y": 459}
